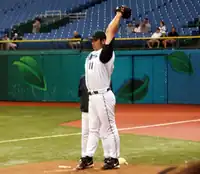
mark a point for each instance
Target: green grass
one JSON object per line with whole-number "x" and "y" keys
{"x": 22, "y": 122}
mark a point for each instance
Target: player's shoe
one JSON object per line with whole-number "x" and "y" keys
{"x": 85, "y": 163}
{"x": 111, "y": 163}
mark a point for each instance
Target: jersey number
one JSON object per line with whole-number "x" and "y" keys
{"x": 91, "y": 65}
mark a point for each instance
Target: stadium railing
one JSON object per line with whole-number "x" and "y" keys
{"x": 182, "y": 42}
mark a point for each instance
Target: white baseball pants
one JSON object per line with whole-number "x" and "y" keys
{"x": 84, "y": 135}
{"x": 102, "y": 122}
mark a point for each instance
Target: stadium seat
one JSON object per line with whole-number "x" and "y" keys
{"x": 173, "y": 12}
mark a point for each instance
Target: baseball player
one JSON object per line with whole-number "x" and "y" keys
{"x": 99, "y": 66}
{"x": 84, "y": 99}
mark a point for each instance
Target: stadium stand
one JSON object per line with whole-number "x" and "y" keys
{"x": 86, "y": 16}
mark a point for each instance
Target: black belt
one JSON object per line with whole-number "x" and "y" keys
{"x": 97, "y": 92}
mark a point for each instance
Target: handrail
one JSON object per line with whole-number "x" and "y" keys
{"x": 85, "y": 40}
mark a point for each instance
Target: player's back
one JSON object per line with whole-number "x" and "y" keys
{"x": 98, "y": 74}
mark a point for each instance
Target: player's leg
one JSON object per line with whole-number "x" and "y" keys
{"x": 94, "y": 127}
{"x": 84, "y": 133}
{"x": 84, "y": 138}
{"x": 109, "y": 132}
{"x": 93, "y": 138}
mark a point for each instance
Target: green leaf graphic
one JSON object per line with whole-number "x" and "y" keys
{"x": 31, "y": 72}
{"x": 180, "y": 62}
{"x": 134, "y": 88}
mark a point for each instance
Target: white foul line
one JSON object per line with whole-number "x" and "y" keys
{"x": 37, "y": 138}
{"x": 121, "y": 129}
{"x": 159, "y": 125}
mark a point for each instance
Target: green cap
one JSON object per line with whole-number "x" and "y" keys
{"x": 99, "y": 35}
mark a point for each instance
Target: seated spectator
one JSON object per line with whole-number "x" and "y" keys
{"x": 142, "y": 28}
{"x": 1, "y": 44}
{"x": 75, "y": 44}
{"x": 134, "y": 21}
{"x": 163, "y": 28}
{"x": 130, "y": 28}
{"x": 145, "y": 26}
{"x": 15, "y": 37}
{"x": 155, "y": 39}
{"x": 9, "y": 44}
{"x": 36, "y": 26}
{"x": 173, "y": 33}
{"x": 137, "y": 29}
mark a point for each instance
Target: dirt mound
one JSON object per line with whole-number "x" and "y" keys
{"x": 65, "y": 167}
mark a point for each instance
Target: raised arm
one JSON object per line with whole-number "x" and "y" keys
{"x": 121, "y": 12}
{"x": 112, "y": 29}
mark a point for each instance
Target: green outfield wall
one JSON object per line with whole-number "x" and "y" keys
{"x": 144, "y": 76}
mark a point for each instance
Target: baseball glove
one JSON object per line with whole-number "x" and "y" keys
{"x": 126, "y": 11}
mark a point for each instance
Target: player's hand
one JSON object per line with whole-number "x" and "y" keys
{"x": 124, "y": 11}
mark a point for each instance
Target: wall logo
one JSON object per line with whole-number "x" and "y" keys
{"x": 180, "y": 62}
{"x": 134, "y": 89}
{"x": 31, "y": 72}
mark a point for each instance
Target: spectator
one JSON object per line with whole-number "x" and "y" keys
{"x": 142, "y": 28}
{"x": 137, "y": 29}
{"x": 36, "y": 26}
{"x": 15, "y": 37}
{"x": 145, "y": 26}
{"x": 9, "y": 44}
{"x": 155, "y": 39}
{"x": 74, "y": 44}
{"x": 1, "y": 44}
{"x": 130, "y": 28}
{"x": 163, "y": 28}
{"x": 134, "y": 21}
{"x": 199, "y": 24}
{"x": 173, "y": 33}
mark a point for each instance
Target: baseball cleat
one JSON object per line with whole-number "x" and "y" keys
{"x": 85, "y": 163}
{"x": 111, "y": 163}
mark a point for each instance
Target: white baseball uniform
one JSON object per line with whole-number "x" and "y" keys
{"x": 84, "y": 133}
{"x": 101, "y": 106}
{"x": 84, "y": 100}
{"x": 84, "y": 136}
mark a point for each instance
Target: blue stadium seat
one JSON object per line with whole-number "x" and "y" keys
{"x": 173, "y": 12}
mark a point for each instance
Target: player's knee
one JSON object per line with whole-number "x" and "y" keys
{"x": 94, "y": 131}
{"x": 85, "y": 132}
